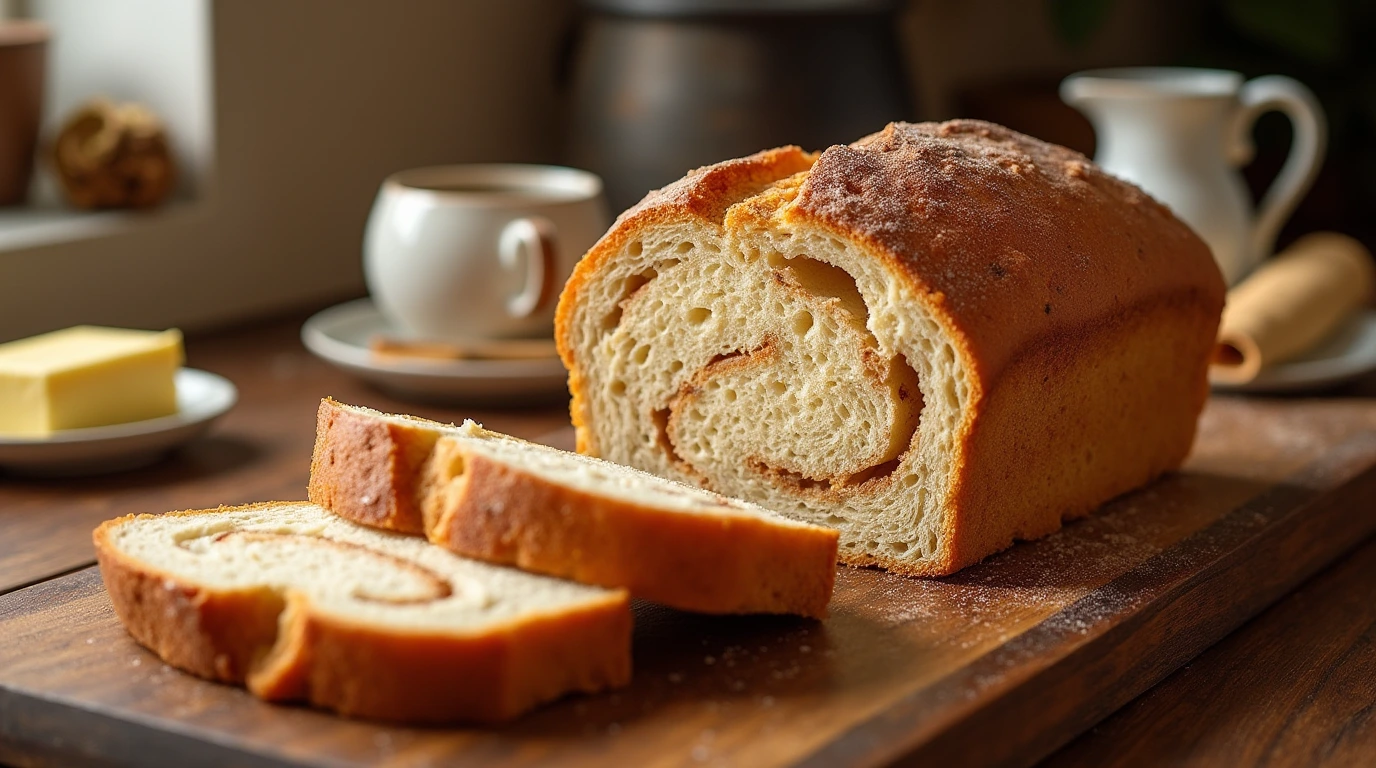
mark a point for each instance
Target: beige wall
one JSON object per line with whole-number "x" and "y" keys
{"x": 315, "y": 101}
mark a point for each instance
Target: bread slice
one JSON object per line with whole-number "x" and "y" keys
{"x": 301, "y": 605}
{"x": 497, "y": 498}
{"x": 939, "y": 339}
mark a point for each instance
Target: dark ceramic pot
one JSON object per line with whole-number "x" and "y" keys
{"x": 663, "y": 86}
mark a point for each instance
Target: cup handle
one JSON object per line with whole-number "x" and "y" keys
{"x": 1284, "y": 94}
{"x": 529, "y": 244}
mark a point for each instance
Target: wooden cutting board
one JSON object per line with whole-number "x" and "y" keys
{"x": 999, "y": 664}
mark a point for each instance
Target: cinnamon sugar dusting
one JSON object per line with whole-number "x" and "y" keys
{"x": 1022, "y": 587}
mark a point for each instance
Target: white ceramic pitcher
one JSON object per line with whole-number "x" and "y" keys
{"x": 1181, "y": 134}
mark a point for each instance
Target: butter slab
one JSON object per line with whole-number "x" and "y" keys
{"x": 87, "y": 376}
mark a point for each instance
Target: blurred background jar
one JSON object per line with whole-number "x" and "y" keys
{"x": 663, "y": 86}
{"x": 23, "y": 52}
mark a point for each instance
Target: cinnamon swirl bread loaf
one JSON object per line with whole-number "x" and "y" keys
{"x": 939, "y": 339}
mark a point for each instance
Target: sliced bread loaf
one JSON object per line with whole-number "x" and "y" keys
{"x": 940, "y": 339}
{"x": 299, "y": 604}
{"x": 497, "y": 498}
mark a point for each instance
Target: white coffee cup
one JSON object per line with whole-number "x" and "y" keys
{"x": 465, "y": 252}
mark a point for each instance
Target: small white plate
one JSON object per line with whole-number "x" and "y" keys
{"x": 202, "y": 397}
{"x": 340, "y": 336}
{"x": 1347, "y": 354}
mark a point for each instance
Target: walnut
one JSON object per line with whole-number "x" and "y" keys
{"x": 114, "y": 156}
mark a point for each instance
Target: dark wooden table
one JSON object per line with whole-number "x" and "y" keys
{"x": 1296, "y": 685}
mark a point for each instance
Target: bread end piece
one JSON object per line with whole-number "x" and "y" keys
{"x": 364, "y": 469}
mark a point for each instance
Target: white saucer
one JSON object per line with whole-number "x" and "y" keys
{"x": 202, "y": 397}
{"x": 1346, "y": 355}
{"x": 340, "y": 335}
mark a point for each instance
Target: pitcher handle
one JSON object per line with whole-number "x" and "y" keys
{"x": 1287, "y": 95}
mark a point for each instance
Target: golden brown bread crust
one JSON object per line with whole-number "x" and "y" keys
{"x": 1047, "y": 444}
{"x": 215, "y": 635}
{"x": 418, "y": 678}
{"x": 1036, "y": 262}
{"x": 707, "y": 192}
{"x": 357, "y": 670}
{"x": 364, "y": 469}
{"x": 693, "y": 562}
{"x": 491, "y": 511}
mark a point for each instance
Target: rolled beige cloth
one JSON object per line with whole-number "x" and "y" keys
{"x": 1290, "y": 303}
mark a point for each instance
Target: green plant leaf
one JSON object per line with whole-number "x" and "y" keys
{"x": 1075, "y": 21}
{"x": 1312, "y": 30}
